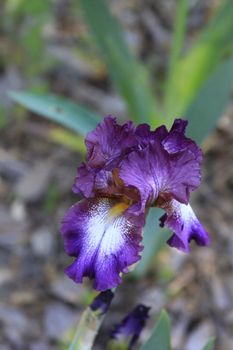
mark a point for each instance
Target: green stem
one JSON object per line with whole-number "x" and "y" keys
{"x": 87, "y": 330}
{"x": 90, "y": 322}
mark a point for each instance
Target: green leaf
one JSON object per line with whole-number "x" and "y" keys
{"x": 210, "y": 344}
{"x": 59, "y": 110}
{"x": 3, "y": 116}
{"x": 132, "y": 83}
{"x": 160, "y": 338}
{"x": 179, "y": 30}
{"x": 210, "y": 102}
{"x": 154, "y": 238}
{"x": 70, "y": 140}
{"x": 102, "y": 24}
{"x": 129, "y": 76}
{"x": 25, "y": 7}
{"x": 195, "y": 68}
{"x": 178, "y": 39}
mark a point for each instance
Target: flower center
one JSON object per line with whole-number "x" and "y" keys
{"x": 118, "y": 209}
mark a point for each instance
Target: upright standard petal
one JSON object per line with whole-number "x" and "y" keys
{"x": 106, "y": 146}
{"x": 84, "y": 181}
{"x": 155, "y": 173}
{"x": 172, "y": 140}
{"x": 181, "y": 219}
{"x": 136, "y": 171}
{"x": 145, "y": 136}
{"x": 104, "y": 240}
{"x": 89, "y": 181}
{"x": 109, "y": 142}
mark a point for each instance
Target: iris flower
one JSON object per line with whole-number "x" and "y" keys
{"x": 127, "y": 170}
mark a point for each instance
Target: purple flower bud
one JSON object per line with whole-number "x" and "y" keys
{"x": 128, "y": 331}
{"x": 102, "y": 302}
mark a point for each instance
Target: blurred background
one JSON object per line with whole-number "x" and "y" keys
{"x": 153, "y": 60}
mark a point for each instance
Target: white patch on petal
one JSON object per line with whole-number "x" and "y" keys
{"x": 183, "y": 222}
{"x": 105, "y": 235}
{"x": 183, "y": 213}
{"x": 103, "y": 239}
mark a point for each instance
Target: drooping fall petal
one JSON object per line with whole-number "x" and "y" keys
{"x": 181, "y": 219}
{"x": 103, "y": 239}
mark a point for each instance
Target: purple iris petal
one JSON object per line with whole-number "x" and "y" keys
{"x": 144, "y": 135}
{"x": 103, "y": 239}
{"x": 89, "y": 181}
{"x": 102, "y": 302}
{"x": 131, "y": 326}
{"x": 106, "y": 147}
{"x": 155, "y": 172}
{"x": 136, "y": 171}
{"x": 84, "y": 182}
{"x": 109, "y": 142}
{"x": 179, "y": 125}
{"x": 181, "y": 219}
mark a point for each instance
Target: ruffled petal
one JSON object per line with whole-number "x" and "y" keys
{"x": 136, "y": 171}
{"x": 145, "y": 136}
{"x": 170, "y": 139}
{"x": 109, "y": 142}
{"x": 106, "y": 147}
{"x": 155, "y": 172}
{"x": 104, "y": 240}
{"x": 167, "y": 165}
{"x": 179, "y": 125}
{"x": 84, "y": 181}
{"x": 88, "y": 182}
{"x": 181, "y": 219}
{"x": 184, "y": 174}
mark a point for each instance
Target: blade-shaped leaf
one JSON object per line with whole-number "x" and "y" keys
{"x": 129, "y": 76}
{"x": 210, "y": 102}
{"x": 58, "y": 109}
{"x": 193, "y": 70}
{"x": 132, "y": 83}
{"x": 154, "y": 238}
{"x": 210, "y": 344}
{"x": 160, "y": 338}
{"x": 177, "y": 40}
{"x": 69, "y": 139}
